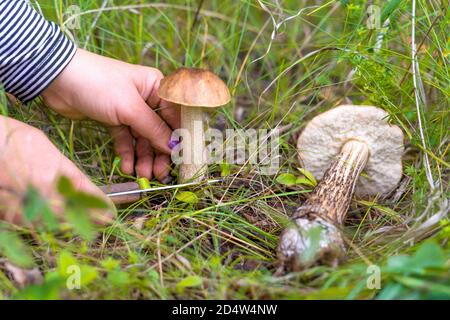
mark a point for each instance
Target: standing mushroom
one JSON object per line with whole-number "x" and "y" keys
{"x": 193, "y": 89}
{"x": 336, "y": 147}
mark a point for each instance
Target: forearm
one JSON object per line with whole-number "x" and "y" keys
{"x": 33, "y": 51}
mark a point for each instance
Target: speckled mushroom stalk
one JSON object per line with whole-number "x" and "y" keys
{"x": 336, "y": 146}
{"x": 332, "y": 196}
{"x": 326, "y": 207}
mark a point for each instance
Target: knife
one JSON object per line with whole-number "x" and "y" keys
{"x": 130, "y": 191}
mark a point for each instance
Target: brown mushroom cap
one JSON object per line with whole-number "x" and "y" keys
{"x": 194, "y": 88}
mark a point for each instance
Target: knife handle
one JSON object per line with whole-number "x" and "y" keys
{"x": 121, "y": 187}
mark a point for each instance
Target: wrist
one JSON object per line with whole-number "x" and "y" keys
{"x": 59, "y": 94}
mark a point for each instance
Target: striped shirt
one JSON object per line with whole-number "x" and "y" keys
{"x": 33, "y": 51}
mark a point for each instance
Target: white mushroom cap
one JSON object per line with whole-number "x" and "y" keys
{"x": 323, "y": 137}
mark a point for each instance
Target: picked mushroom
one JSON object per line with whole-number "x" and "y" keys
{"x": 336, "y": 146}
{"x": 193, "y": 89}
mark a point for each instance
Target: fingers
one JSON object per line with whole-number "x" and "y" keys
{"x": 28, "y": 158}
{"x": 149, "y": 125}
{"x": 146, "y": 166}
{"x": 10, "y": 207}
{"x": 82, "y": 183}
{"x": 161, "y": 167}
{"x": 144, "y": 155}
{"x": 123, "y": 146}
{"x": 152, "y": 127}
{"x": 170, "y": 113}
{"x": 151, "y": 85}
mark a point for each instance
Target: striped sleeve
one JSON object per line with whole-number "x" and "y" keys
{"x": 33, "y": 51}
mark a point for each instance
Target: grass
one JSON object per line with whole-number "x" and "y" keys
{"x": 223, "y": 246}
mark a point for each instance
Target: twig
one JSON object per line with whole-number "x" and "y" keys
{"x": 162, "y": 261}
{"x": 197, "y": 13}
{"x": 416, "y": 80}
{"x": 307, "y": 56}
{"x": 94, "y": 23}
{"x": 158, "y": 245}
{"x": 380, "y": 37}
{"x": 276, "y": 26}
{"x": 206, "y": 13}
{"x": 36, "y": 3}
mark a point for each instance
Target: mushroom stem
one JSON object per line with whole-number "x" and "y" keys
{"x": 327, "y": 206}
{"x": 194, "y": 160}
{"x": 331, "y": 198}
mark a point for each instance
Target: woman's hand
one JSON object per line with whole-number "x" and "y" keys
{"x": 123, "y": 97}
{"x": 27, "y": 158}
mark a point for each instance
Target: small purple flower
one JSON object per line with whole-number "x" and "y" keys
{"x": 173, "y": 143}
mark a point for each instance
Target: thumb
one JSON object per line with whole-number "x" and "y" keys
{"x": 82, "y": 183}
{"x": 142, "y": 119}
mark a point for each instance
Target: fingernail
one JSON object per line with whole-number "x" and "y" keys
{"x": 104, "y": 217}
{"x": 173, "y": 143}
{"x": 111, "y": 213}
{"x": 166, "y": 180}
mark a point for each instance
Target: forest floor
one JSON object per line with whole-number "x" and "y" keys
{"x": 284, "y": 62}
